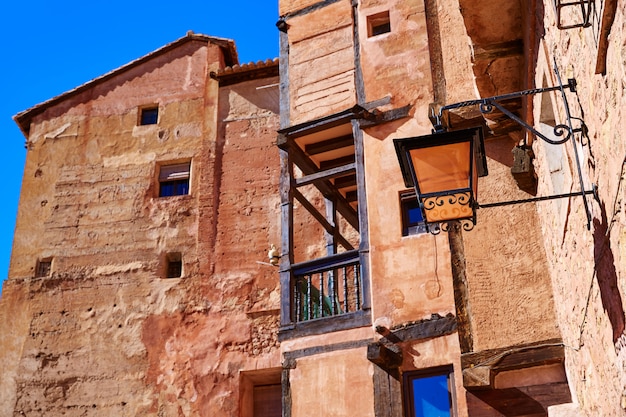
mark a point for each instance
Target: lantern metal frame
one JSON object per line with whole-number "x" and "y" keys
{"x": 562, "y": 134}
{"x": 464, "y": 197}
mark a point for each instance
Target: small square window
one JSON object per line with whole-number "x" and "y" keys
{"x": 378, "y": 23}
{"x": 43, "y": 267}
{"x": 149, "y": 116}
{"x": 429, "y": 393}
{"x": 412, "y": 220}
{"x": 174, "y": 179}
{"x": 174, "y": 265}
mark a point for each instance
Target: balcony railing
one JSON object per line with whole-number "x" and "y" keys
{"x": 326, "y": 287}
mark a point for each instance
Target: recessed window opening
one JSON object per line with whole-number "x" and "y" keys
{"x": 261, "y": 393}
{"x": 173, "y": 265}
{"x": 149, "y": 115}
{"x": 378, "y": 24}
{"x": 412, "y": 220}
{"x": 429, "y": 393}
{"x": 174, "y": 179}
{"x": 43, "y": 267}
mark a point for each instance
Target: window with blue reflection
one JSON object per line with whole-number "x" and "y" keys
{"x": 412, "y": 220}
{"x": 174, "y": 179}
{"x": 428, "y": 394}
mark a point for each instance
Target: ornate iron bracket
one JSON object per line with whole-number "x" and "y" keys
{"x": 564, "y": 131}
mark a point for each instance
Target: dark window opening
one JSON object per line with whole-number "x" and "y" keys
{"x": 149, "y": 116}
{"x": 174, "y": 267}
{"x": 174, "y": 180}
{"x": 378, "y": 24}
{"x": 43, "y": 268}
{"x": 429, "y": 393}
{"x": 412, "y": 220}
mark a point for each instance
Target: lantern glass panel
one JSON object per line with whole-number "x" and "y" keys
{"x": 443, "y": 167}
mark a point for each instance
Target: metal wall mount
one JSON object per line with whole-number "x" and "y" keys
{"x": 573, "y": 130}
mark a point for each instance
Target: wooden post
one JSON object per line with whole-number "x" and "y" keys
{"x": 286, "y": 245}
{"x": 461, "y": 290}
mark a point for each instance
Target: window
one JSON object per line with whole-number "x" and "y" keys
{"x": 174, "y": 179}
{"x": 149, "y": 115}
{"x": 429, "y": 393}
{"x": 412, "y": 221}
{"x": 378, "y": 24}
{"x": 43, "y": 267}
{"x": 174, "y": 265}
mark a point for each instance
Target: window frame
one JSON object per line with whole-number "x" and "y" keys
{"x": 168, "y": 174}
{"x": 408, "y": 377}
{"x": 378, "y": 24}
{"x": 141, "y": 116}
{"x": 173, "y": 265}
{"x": 408, "y": 202}
{"x": 43, "y": 267}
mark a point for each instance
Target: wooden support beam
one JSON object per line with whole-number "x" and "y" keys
{"x": 333, "y": 163}
{"x": 345, "y": 182}
{"x": 326, "y": 188}
{"x": 286, "y": 245}
{"x": 329, "y": 145}
{"x": 325, "y": 175}
{"x": 387, "y": 356}
{"x": 321, "y": 219}
{"x": 481, "y": 368}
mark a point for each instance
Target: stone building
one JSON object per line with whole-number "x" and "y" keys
{"x": 139, "y": 282}
{"x": 522, "y": 314}
{"x": 374, "y": 310}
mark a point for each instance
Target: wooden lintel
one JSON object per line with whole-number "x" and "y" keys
{"x": 325, "y": 175}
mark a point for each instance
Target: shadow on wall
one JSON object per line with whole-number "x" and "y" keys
{"x": 607, "y": 275}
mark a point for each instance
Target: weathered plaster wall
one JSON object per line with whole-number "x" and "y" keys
{"x": 400, "y": 56}
{"x": 106, "y": 333}
{"x": 330, "y": 374}
{"x": 588, "y": 266}
{"x": 321, "y": 62}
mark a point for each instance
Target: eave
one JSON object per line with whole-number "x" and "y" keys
{"x": 24, "y": 118}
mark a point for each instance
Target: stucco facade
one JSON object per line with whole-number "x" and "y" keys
{"x": 106, "y": 331}
{"x": 521, "y": 315}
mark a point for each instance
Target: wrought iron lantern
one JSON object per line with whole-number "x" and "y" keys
{"x": 443, "y": 168}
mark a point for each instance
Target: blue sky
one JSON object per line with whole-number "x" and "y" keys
{"x": 49, "y": 47}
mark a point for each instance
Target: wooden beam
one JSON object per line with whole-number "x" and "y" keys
{"x": 329, "y": 145}
{"x": 386, "y": 356}
{"x": 325, "y": 175}
{"x": 481, "y": 368}
{"x": 286, "y": 245}
{"x": 326, "y": 188}
{"x": 459, "y": 283}
{"x": 345, "y": 182}
{"x": 333, "y": 163}
{"x": 322, "y": 220}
